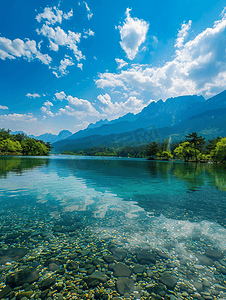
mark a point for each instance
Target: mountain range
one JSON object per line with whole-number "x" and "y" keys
{"x": 175, "y": 117}
{"x": 49, "y": 137}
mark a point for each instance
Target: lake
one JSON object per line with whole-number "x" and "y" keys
{"x": 101, "y": 228}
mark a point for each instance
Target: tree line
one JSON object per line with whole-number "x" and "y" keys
{"x": 21, "y": 144}
{"x": 194, "y": 148}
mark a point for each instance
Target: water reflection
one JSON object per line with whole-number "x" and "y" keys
{"x": 19, "y": 164}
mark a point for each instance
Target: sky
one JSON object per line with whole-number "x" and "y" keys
{"x": 65, "y": 64}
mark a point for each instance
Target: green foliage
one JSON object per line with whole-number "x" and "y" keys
{"x": 196, "y": 141}
{"x": 219, "y": 153}
{"x": 21, "y": 144}
{"x": 164, "y": 155}
{"x": 33, "y": 147}
{"x": 186, "y": 151}
{"x": 152, "y": 149}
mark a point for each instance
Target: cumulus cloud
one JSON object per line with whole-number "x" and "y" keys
{"x": 18, "y": 117}
{"x": 121, "y": 63}
{"x": 182, "y": 34}
{"x": 61, "y": 70}
{"x": 3, "y": 107}
{"x": 46, "y": 108}
{"x": 78, "y": 108}
{"x": 199, "y": 67}
{"x": 88, "y": 33}
{"x": 133, "y": 34}
{"x": 18, "y": 48}
{"x": 35, "y": 95}
{"x": 132, "y": 104}
{"x": 58, "y": 37}
{"x": 52, "y": 15}
{"x": 60, "y": 96}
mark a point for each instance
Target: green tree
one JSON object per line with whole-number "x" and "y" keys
{"x": 8, "y": 147}
{"x": 4, "y": 134}
{"x": 219, "y": 153}
{"x": 197, "y": 141}
{"x": 186, "y": 151}
{"x": 33, "y": 147}
{"x": 152, "y": 149}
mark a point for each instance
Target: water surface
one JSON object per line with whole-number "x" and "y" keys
{"x": 172, "y": 207}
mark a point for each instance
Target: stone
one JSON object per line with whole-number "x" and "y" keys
{"x": 162, "y": 254}
{"x": 95, "y": 278}
{"x": 145, "y": 257}
{"x": 91, "y": 270}
{"x": 204, "y": 260}
{"x": 47, "y": 282}
{"x": 124, "y": 285}
{"x": 22, "y": 294}
{"x": 85, "y": 252}
{"x": 88, "y": 266}
{"x": 169, "y": 281}
{"x": 119, "y": 254}
{"x": 71, "y": 266}
{"x": 121, "y": 270}
{"x": 5, "y": 291}
{"x": 198, "y": 286}
{"x": 13, "y": 254}
{"x": 138, "y": 269}
{"x": 27, "y": 275}
{"x": 214, "y": 253}
{"x": 108, "y": 259}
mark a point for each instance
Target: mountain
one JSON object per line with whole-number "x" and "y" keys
{"x": 209, "y": 124}
{"x": 170, "y": 113}
{"x": 175, "y": 117}
{"x": 48, "y": 137}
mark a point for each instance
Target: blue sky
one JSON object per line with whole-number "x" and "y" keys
{"x": 65, "y": 64}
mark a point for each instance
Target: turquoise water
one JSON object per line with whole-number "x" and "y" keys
{"x": 174, "y": 207}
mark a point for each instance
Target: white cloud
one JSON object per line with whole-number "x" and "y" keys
{"x": 18, "y": 48}
{"x": 80, "y": 65}
{"x": 68, "y": 15}
{"x": 121, "y": 63}
{"x": 18, "y": 117}
{"x": 60, "y": 96}
{"x": 79, "y": 108}
{"x": 133, "y": 34}
{"x": 53, "y": 15}
{"x": 89, "y": 14}
{"x": 35, "y": 95}
{"x": 132, "y": 104}
{"x": 46, "y": 108}
{"x": 182, "y": 34}
{"x": 199, "y": 67}
{"x": 3, "y": 107}
{"x": 58, "y": 37}
{"x": 88, "y": 33}
{"x": 61, "y": 70}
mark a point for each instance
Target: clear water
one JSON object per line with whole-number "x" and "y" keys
{"x": 174, "y": 207}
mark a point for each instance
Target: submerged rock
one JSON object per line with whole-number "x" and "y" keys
{"x": 145, "y": 257}
{"x": 95, "y": 278}
{"x": 47, "y": 282}
{"x": 169, "y": 281}
{"x": 13, "y": 254}
{"x": 125, "y": 285}
{"x": 214, "y": 253}
{"x": 121, "y": 270}
{"x": 28, "y": 275}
